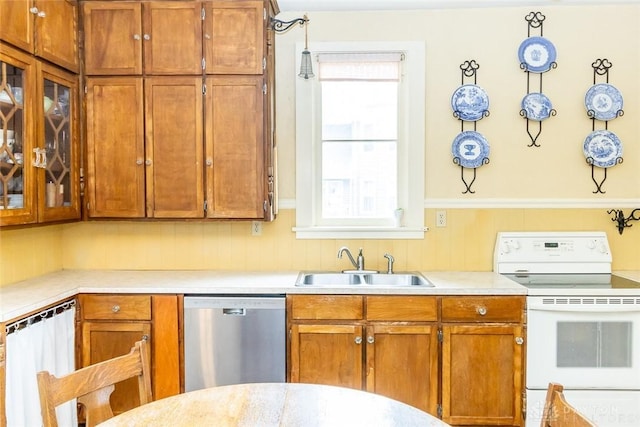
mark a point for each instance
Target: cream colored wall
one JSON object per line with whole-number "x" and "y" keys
{"x": 465, "y": 244}
{"x": 517, "y": 174}
{"x": 556, "y": 170}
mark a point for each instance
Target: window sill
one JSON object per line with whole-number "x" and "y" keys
{"x": 359, "y": 232}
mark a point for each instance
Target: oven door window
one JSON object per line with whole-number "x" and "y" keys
{"x": 593, "y": 344}
{"x": 583, "y": 348}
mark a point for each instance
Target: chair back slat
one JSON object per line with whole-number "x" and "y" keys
{"x": 559, "y": 413}
{"x": 93, "y": 385}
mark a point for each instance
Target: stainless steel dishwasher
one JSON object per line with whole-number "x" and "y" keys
{"x": 234, "y": 340}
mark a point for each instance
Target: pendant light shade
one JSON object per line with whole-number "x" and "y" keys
{"x": 306, "y": 67}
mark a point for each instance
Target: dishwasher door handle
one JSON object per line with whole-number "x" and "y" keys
{"x": 234, "y": 311}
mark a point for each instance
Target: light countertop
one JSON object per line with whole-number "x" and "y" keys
{"x": 21, "y": 298}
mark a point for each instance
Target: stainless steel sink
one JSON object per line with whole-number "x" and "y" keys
{"x": 404, "y": 279}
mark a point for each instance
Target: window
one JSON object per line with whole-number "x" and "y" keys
{"x": 360, "y": 141}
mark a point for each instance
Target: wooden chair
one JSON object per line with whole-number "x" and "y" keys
{"x": 559, "y": 413}
{"x": 93, "y": 385}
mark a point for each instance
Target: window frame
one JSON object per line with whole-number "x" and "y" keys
{"x": 411, "y": 159}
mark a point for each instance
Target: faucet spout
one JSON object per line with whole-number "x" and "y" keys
{"x": 390, "y": 260}
{"x": 353, "y": 261}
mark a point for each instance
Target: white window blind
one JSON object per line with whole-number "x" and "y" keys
{"x": 354, "y": 66}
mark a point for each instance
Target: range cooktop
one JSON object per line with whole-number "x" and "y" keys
{"x": 573, "y": 281}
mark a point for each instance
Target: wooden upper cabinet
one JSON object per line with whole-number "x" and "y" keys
{"x": 172, "y": 37}
{"x": 234, "y": 37}
{"x": 174, "y": 152}
{"x": 165, "y": 36}
{"x": 115, "y": 147}
{"x": 235, "y": 147}
{"x": 17, "y": 23}
{"x": 112, "y": 37}
{"x": 47, "y": 28}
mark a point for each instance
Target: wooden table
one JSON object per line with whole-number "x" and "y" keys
{"x": 276, "y": 404}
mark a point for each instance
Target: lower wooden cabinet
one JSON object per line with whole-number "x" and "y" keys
{"x": 335, "y": 341}
{"x": 460, "y": 358}
{"x": 112, "y": 323}
{"x": 482, "y": 360}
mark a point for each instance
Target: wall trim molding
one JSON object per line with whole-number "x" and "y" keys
{"x": 513, "y": 203}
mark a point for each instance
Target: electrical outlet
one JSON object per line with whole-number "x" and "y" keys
{"x": 441, "y": 218}
{"x": 256, "y": 228}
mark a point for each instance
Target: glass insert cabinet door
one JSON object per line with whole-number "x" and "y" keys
{"x": 15, "y": 135}
{"x": 39, "y": 159}
{"x": 56, "y": 156}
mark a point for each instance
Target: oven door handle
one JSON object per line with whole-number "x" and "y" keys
{"x": 585, "y": 308}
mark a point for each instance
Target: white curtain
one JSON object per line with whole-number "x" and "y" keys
{"x": 47, "y": 345}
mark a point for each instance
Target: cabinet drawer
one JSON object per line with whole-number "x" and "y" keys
{"x": 482, "y": 309}
{"x": 116, "y": 307}
{"x": 332, "y": 307}
{"x": 402, "y": 308}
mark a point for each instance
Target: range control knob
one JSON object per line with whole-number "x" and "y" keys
{"x": 602, "y": 247}
{"x": 591, "y": 244}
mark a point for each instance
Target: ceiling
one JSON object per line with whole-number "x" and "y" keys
{"x": 343, "y": 5}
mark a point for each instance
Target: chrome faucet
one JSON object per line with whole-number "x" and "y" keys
{"x": 390, "y": 260}
{"x": 357, "y": 265}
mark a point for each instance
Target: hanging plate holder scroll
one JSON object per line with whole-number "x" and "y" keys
{"x": 602, "y": 148}
{"x": 470, "y": 103}
{"x": 537, "y": 55}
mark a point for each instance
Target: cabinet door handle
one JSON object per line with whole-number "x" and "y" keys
{"x": 115, "y": 308}
{"x": 370, "y": 339}
{"x": 481, "y": 310}
{"x": 358, "y": 340}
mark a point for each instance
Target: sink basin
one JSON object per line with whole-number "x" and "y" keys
{"x": 364, "y": 279}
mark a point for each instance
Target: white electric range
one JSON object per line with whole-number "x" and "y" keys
{"x": 583, "y": 323}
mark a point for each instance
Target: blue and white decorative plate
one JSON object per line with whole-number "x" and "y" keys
{"x": 537, "y": 53}
{"x": 471, "y": 148}
{"x": 470, "y": 102}
{"x": 603, "y": 147}
{"x": 537, "y": 106}
{"x": 604, "y": 100}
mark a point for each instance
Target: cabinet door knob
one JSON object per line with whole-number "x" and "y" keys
{"x": 115, "y": 308}
{"x": 147, "y": 162}
{"x": 207, "y": 36}
{"x": 370, "y": 339}
{"x": 209, "y": 162}
{"x": 42, "y": 14}
{"x": 145, "y": 337}
{"x": 136, "y": 37}
{"x": 146, "y": 37}
{"x": 519, "y": 340}
{"x": 139, "y": 162}
{"x": 34, "y": 10}
{"x": 358, "y": 340}
{"x": 481, "y": 310}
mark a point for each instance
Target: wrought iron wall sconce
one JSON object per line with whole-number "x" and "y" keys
{"x": 622, "y": 221}
{"x": 306, "y": 67}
